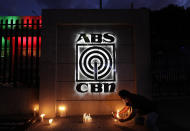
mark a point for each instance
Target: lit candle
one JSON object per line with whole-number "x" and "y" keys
{"x": 50, "y": 121}
{"x": 87, "y": 118}
{"x": 35, "y": 111}
{"x": 42, "y": 117}
{"x": 84, "y": 117}
{"x": 117, "y": 115}
{"x": 62, "y": 111}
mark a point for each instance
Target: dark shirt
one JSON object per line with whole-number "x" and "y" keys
{"x": 141, "y": 103}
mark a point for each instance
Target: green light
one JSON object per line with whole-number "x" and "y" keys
{"x": 9, "y": 18}
{"x": 3, "y": 47}
{"x": 3, "y": 42}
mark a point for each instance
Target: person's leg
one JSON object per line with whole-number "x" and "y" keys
{"x": 151, "y": 121}
{"x": 139, "y": 119}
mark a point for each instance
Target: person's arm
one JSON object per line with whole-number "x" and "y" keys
{"x": 125, "y": 109}
{"x": 130, "y": 117}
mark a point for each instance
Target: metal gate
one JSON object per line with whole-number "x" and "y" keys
{"x": 20, "y": 49}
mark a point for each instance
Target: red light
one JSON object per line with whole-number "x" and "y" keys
{"x": 24, "y": 45}
{"x": 30, "y": 18}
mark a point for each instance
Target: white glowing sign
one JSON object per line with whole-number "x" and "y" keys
{"x": 95, "y": 63}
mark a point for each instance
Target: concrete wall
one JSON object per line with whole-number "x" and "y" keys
{"x": 16, "y": 101}
{"x": 57, "y": 62}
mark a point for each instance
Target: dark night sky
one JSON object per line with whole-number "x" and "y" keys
{"x": 33, "y": 7}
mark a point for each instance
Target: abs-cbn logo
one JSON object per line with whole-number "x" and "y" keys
{"x": 95, "y": 63}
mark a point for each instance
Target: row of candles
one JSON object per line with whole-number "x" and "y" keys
{"x": 62, "y": 113}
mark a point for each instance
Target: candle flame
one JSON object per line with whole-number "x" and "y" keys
{"x": 42, "y": 115}
{"x": 35, "y": 109}
{"x": 62, "y": 108}
{"x": 117, "y": 115}
{"x": 50, "y": 121}
{"x": 115, "y": 120}
{"x": 87, "y": 117}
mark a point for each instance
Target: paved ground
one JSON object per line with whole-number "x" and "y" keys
{"x": 99, "y": 123}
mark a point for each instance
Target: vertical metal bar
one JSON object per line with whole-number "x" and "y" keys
{"x": 16, "y": 56}
{"x": 5, "y": 54}
{"x": 32, "y": 41}
{"x": 1, "y": 35}
{"x": 26, "y": 62}
{"x": 10, "y": 52}
{"x": 37, "y": 55}
{"x": 21, "y": 51}
{"x": 100, "y": 4}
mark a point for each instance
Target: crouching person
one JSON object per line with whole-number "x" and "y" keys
{"x": 143, "y": 110}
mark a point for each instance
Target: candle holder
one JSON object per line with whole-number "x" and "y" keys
{"x": 87, "y": 118}
{"x": 50, "y": 121}
{"x": 42, "y": 117}
{"x": 35, "y": 110}
{"x": 62, "y": 111}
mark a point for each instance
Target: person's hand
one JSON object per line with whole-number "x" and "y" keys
{"x": 114, "y": 115}
{"x": 121, "y": 119}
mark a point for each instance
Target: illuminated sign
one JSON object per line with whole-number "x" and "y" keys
{"x": 95, "y": 63}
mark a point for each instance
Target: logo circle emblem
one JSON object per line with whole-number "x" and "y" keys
{"x": 95, "y": 62}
